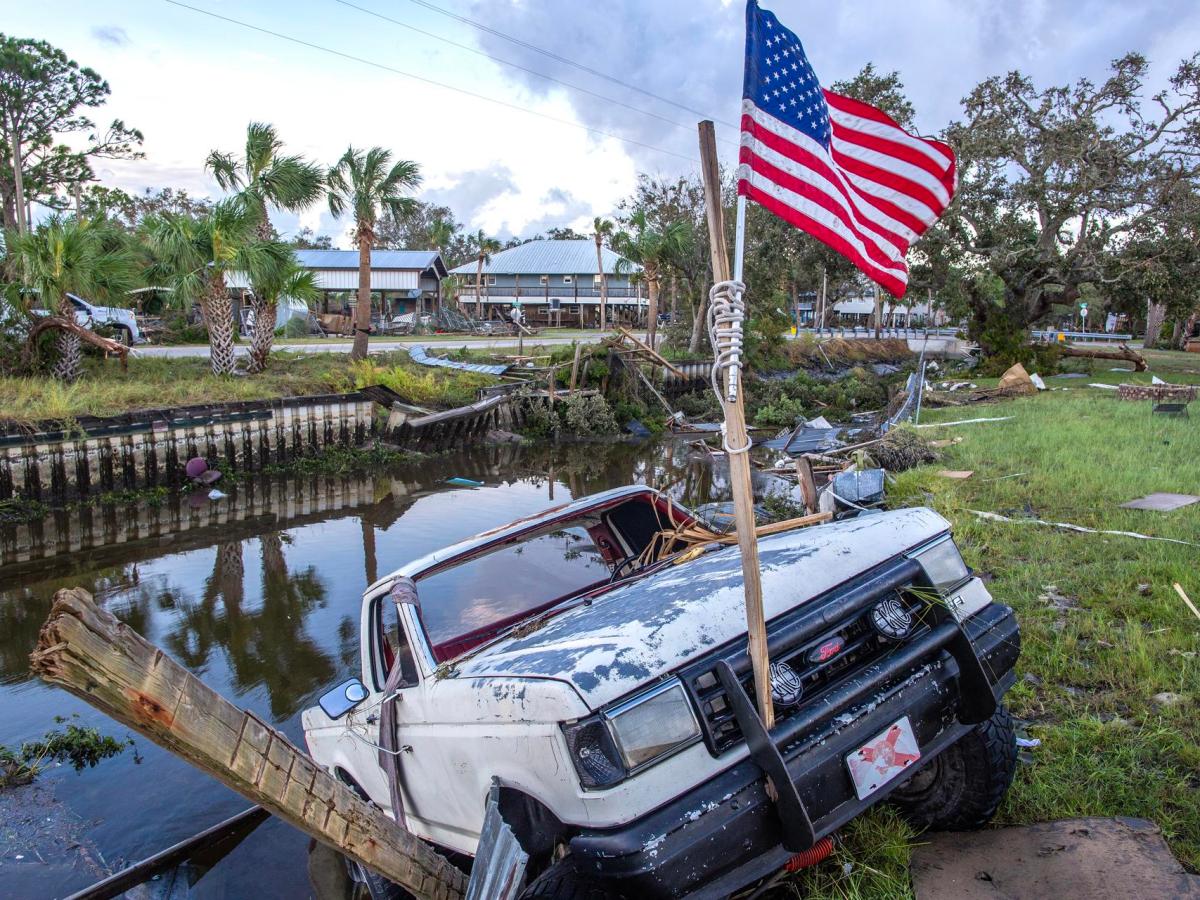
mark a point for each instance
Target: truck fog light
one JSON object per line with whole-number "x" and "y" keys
{"x": 891, "y": 619}
{"x": 654, "y": 724}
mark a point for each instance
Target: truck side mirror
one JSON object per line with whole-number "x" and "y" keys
{"x": 338, "y": 701}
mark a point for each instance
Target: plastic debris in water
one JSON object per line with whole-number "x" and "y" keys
{"x": 216, "y": 494}
{"x": 464, "y": 482}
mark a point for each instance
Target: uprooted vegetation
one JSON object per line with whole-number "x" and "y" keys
{"x": 82, "y": 747}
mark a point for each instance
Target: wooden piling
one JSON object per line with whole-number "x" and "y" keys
{"x": 85, "y": 650}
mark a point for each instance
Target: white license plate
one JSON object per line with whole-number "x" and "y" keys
{"x": 883, "y": 757}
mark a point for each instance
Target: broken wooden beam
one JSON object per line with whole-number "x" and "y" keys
{"x": 1124, "y": 354}
{"x": 87, "y": 651}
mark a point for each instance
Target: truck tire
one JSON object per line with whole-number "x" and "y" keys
{"x": 123, "y": 335}
{"x": 962, "y": 788}
{"x": 562, "y": 882}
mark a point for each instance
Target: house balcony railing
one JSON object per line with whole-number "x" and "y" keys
{"x": 534, "y": 293}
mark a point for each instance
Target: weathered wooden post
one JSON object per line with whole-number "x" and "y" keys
{"x": 737, "y": 438}
{"x": 87, "y": 651}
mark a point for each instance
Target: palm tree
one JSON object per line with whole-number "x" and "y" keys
{"x": 441, "y": 233}
{"x": 62, "y": 256}
{"x": 602, "y": 228}
{"x": 367, "y": 183}
{"x": 195, "y": 255}
{"x": 290, "y": 280}
{"x": 653, "y": 249}
{"x": 484, "y": 248}
{"x": 264, "y": 178}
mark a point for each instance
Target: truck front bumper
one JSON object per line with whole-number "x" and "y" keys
{"x": 727, "y": 832}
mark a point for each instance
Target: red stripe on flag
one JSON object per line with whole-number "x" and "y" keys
{"x": 814, "y": 194}
{"x": 896, "y": 182}
{"x": 902, "y": 152}
{"x": 887, "y": 280}
{"x": 866, "y": 111}
{"x": 822, "y": 167}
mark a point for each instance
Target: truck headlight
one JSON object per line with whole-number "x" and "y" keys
{"x": 943, "y": 565}
{"x": 608, "y": 747}
{"x": 653, "y": 724}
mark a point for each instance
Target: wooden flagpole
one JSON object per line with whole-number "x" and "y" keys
{"x": 735, "y": 436}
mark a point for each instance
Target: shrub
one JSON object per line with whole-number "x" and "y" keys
{"x": 589, "y": 415}
{"x": 81, "y": 747}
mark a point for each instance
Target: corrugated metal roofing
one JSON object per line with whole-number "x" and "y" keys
{"x": 546, "y": 258}
{"x": 418, "y": 355}
{"x": 380, "y": 259}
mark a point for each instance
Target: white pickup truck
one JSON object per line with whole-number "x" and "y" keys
{"x": 596, "y": 670}
{"x": 122, "y": 322}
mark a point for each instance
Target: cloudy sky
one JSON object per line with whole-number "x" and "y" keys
{"x": 509, "y": 150}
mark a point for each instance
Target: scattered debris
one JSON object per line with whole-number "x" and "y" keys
{"x": 858, "y": 486}
{"x": 996, "y": 517}
{"x": 1168, "y": 699}
{"x": 902, "y": 449}
{"x": 198, "y": 472}
{"x": 217, "y": 494}
{"x": 1102, "y": 386}
{"x": 1144, "y": 589}
{"x": 945, "y": 442}
{"x": 1026, "y": 743}
{"x": 464, "y": 482}
{"x": 637, "y": 429}
{"x": 958, "y": 474}
{"x": 1186, "y": 599}
{"x": 1098, "y": 858}
{"x": 963, "y": 422}
{"x": 418, "y": 354}
{"x": 1161, "y": 502}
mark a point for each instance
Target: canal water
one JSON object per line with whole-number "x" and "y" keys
{"x": 258, "y": 593}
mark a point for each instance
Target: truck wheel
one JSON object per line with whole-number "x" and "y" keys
{"x": 962, "y": 787}
{"x": 123, "y": 335}
{"x": 562, "y": 882}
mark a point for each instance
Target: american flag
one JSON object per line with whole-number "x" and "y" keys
{"x": 839, "y": 169}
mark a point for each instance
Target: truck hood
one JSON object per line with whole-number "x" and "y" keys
{"x": 646, "y": 629}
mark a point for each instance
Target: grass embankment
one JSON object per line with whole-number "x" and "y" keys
{"x": 1098, "y": 646}
{"x": 153, "y": 383}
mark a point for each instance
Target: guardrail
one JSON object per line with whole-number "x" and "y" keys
{"x": 1096, "y": 336}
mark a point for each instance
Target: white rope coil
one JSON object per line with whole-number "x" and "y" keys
{"x": 726, "y": 313}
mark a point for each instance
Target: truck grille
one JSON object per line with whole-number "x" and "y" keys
{"x": 796, "y": 638}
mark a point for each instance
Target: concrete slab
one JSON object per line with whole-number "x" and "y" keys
{"x": 1094, "y": 858}
{"x": 1161, "y": 502}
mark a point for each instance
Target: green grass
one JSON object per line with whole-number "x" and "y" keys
{"x": 158, "y": 383}
{"x": 1108, "y": 749}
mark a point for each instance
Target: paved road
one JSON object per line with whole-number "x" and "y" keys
{"x": 378, "y": 345}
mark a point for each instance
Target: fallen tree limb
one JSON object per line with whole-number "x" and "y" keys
{"x": 58, "y": 323}
{"x": 85, "y": 650}
{"x": 1124, "y": 354}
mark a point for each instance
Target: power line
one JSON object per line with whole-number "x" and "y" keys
{"x": 562, "y": 59}
{"x": 507, "y": 62}
{"x": 422, "y": 78}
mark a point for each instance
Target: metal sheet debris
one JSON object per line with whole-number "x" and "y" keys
{"x": 499, "y": 866}
{"x": 418, "y": 354}
{"x": 859, "y": 486}
{"x": 1161, "y": 502}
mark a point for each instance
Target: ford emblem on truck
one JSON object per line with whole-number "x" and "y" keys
{"x": 786, "y": 687}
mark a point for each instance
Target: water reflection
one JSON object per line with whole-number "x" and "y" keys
{"x": 259, "y": 594}
{"x": 267, "y": 646}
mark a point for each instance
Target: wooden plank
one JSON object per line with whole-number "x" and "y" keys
{"x": 653, "y": 355}
{"x": 575, "y": 367}
{"x": 85, "y": 650}
{"x": 808, "y": 485}
{"x": 735, "y": 430}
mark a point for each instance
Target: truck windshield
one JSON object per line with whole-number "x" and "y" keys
{"x": 496, "y": 590}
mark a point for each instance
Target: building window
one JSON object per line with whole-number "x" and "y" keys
{"x": 596, "y": 279}
{"x": 491, "y": 279}
{"x": 567, "y": 279}
{"x": 545, "y": 279}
